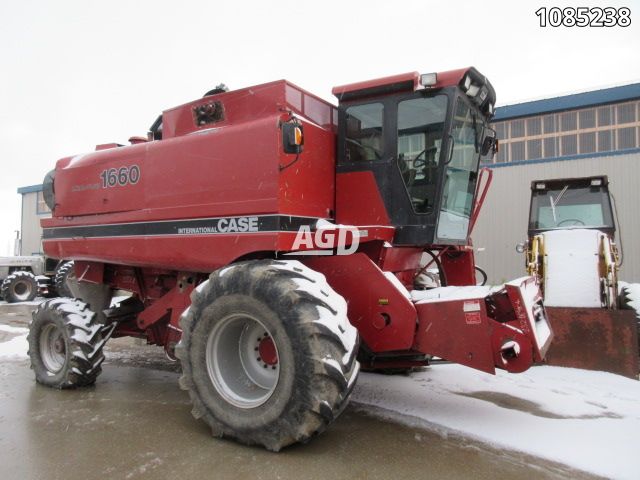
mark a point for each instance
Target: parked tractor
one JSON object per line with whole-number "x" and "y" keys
{"x": 270, "y": 243}
{"x": 572, "y": 250}
{"x": 23, "y": 278}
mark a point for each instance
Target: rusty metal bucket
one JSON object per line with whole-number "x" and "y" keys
{"x": 594, "y": 339}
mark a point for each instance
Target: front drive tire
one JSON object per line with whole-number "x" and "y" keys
{"x": 267, "y": 353}
{"x": 65, "y": 343}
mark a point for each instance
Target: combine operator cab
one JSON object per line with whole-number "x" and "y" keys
{"x": 418, "y": 139}
{"x": 408, "y": 157}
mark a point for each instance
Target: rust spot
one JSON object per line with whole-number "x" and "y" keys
{"x": 594, "y": 339}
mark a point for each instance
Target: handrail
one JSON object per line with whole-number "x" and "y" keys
{"x": 480, "y": 195}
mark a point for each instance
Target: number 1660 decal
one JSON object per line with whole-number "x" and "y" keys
{"x": 114, "y": 177}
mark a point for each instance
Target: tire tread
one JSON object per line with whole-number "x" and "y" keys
{"x": 331, "y": 380}
{"x": 85, "y": 341}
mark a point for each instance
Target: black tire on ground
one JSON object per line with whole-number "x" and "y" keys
{"x": 65, "y": 343}
{"x": 63, "y": 272}
{"x": 256, "y": 397}
{"x": 19, "y": 287}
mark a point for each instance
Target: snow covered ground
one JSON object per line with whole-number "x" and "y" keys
{"x": 35, "y": 302}
{"x": 587, "y": 420}
{"x": 16, "y": 347}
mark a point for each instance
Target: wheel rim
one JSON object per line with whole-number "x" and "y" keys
{"x": 53, "y": 348}
{"x": 242, "y": 361}
{"x": 22, "y": 290}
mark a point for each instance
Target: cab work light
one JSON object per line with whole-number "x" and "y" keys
{"x": 428, "y": 79}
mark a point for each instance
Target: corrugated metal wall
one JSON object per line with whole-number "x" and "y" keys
{"x": 503, "y": 220}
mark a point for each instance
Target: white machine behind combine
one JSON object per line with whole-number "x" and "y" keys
{"x": 572, "y": 250}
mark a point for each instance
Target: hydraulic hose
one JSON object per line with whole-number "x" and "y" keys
{"x": 436, "y": 260}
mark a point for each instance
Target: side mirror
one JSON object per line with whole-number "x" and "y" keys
{"x": 521, "y": 247}
{"x": 489, "y": 142}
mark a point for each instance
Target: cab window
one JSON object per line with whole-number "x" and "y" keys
{"x": 461, "y": 173}
{"x": 420, "y": 131}
{"x": 363, "y": 139}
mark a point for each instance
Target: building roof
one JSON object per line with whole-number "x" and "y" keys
{"x": 568, "y": 102}
{"x": 30, "y": 189}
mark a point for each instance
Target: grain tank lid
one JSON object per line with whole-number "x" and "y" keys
{"x": 246, "y": 105}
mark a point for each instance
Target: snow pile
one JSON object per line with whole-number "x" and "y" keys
{"x": 17, "y": 347}
{"x": 115, "y": 301}
{"x": 571, "y": 273}
{"x": 587, "y": 420}
{"x": 439, "y": 294}
{"x": 10, "y": 329}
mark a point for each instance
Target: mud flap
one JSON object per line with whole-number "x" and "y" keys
{"x": 594, "y": 339}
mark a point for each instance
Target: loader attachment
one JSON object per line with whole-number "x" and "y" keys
{"x": 594, "y": 339}
{"x": 484, "y": 328}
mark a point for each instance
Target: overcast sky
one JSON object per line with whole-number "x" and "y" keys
{"x": 79, "y": 73}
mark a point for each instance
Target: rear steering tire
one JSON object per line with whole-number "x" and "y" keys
{"x": 20, "y": 287}
{"x": 267, "y": 353}
{"x": 65, "y": 343}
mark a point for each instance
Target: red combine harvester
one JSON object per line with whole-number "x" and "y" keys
{"x": 273, "y": 242}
